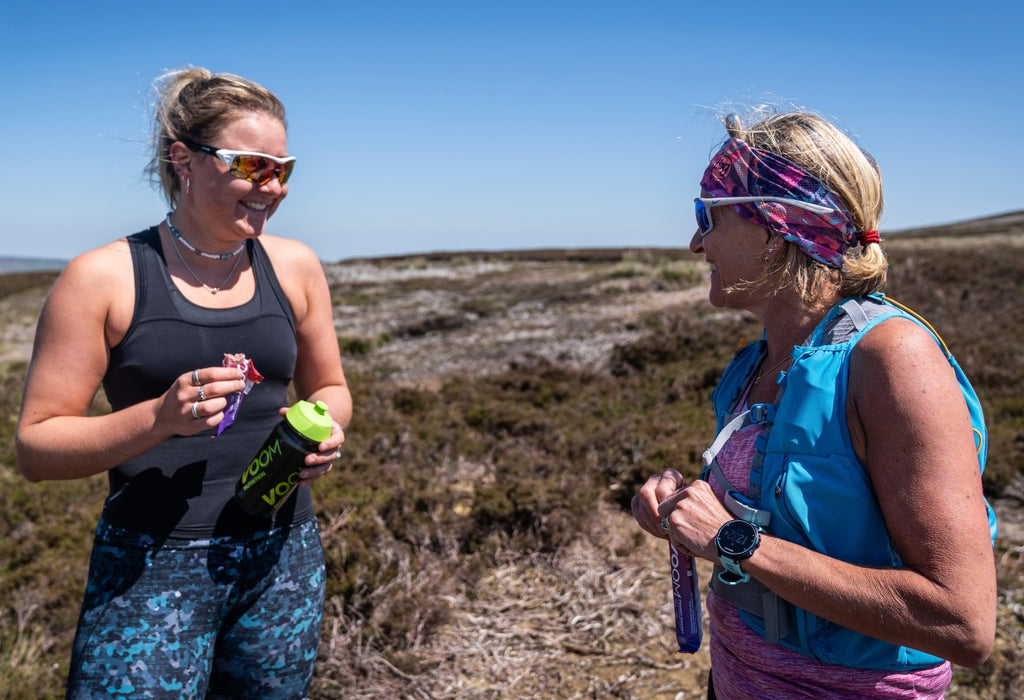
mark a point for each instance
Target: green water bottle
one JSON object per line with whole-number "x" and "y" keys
{"x": 273, "y": 473}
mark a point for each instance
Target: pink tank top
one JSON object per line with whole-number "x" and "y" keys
{"x": 746, "y": 666}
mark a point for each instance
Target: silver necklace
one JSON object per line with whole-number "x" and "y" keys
{"x": 211, "y": 290}
{"x": 211, "y": 256}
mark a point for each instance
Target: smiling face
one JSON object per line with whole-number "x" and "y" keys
{"x": 219, "y": 207}
{"x": 736, "y": 249}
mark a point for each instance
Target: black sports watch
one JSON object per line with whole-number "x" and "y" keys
{"x": 736, "y": 541}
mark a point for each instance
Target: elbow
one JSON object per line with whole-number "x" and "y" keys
{"x": 29, "y": 468}
{"x": 974, "y": 652}
{"x": 971, "y": 612}
{"x": 980, "y": 648}
{"x": 30, "y": 473}
{"x": 976, "y": 640}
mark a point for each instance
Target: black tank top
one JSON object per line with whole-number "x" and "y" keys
{"x": 184, "y": 486}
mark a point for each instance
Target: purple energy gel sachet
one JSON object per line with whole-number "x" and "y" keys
{"x": 686, "y": 599}
{"x": 252, "y": 377}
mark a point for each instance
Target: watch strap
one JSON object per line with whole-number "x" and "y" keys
{"x": 732, "y": 574}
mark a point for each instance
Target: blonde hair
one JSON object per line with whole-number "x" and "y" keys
{"x": 193, "y": 104}
{"x": 848, "y": 171}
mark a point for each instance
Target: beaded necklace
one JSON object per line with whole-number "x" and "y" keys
{"x": 211, "y": 256}
{"x": 211, "y": 290}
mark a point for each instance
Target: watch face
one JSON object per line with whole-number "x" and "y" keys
{"x": 736, "y": 538}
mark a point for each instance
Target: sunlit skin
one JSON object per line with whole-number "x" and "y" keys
{"x": 909, "y": 425}
{"x": 229, "y": 208}
{"x": 735, "y": 249}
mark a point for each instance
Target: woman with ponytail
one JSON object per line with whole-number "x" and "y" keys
{"x": 841, "y": 501}
{"x": 188, "y": 595}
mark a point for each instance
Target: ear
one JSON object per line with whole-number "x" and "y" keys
{"x": 181, "y": 157}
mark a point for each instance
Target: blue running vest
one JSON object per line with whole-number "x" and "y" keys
{"x": 807, "y": 485}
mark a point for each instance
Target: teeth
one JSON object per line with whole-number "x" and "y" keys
{"x": 255, "y": 205}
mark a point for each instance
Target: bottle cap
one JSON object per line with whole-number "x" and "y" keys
{"x": 310, "y": 420}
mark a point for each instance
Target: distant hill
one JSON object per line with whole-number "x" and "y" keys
{"x": 13, "y": 264}
{"x": 1010, "y": 222}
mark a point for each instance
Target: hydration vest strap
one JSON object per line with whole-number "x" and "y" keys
{"x": 855, "y": 312}
{"x": 755, "y": 598}
{"x": 759, "y": 413}
{"x": 743, "y": 508}
{"x": 710, "y": 456}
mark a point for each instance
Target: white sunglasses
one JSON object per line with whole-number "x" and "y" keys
{"x": 702, "y": 207}
{"x": 257, "y": 168}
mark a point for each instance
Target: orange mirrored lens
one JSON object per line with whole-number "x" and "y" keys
{"x": 259, "y": 170}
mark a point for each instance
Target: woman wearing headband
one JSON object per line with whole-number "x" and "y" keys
{"x": 188, "y": 595}
{"x": 841, "y": 501}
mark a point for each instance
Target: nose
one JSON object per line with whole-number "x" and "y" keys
{"x": 273, "y": 187}
{"x": 697, "y": 242}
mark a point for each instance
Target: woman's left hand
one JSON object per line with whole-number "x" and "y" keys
{"x": 694, "y": 515}
{"x": 689, "y": 515}
{"x": 319, "y": 463}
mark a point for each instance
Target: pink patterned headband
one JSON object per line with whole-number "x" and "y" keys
{"x": 738, "y": 170}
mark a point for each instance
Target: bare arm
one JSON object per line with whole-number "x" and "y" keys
{"x": 318, "y": 371}
{"x": 910, "y": 425}
{"x": 86, "y": 312}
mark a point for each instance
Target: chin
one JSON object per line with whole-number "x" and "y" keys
{"x": 717, "y": 296}
{"x": 251, "y": 227}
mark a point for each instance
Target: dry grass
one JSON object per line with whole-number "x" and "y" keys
{"x": 508, "y": 405}
{"x": 563, "y": 624}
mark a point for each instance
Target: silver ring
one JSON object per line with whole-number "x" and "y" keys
{"x": 664, "y": 523}
{"x": 194, "y": 413}
{"x": 337, "y": 453}
{"x": 195, "y": 378}
{"x": 202, "y": 394}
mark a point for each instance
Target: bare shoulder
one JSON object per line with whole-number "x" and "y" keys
{"x": 299, "y": 272}
{"x": 904, "y": 397}
{"x": 101, "y": 279}
{"x": 897, "y": 345}
{"x": 899, "y": 367}
{"x": 288, "y": 255}
{"x": 93, "y": 297}
{"x": 86, "y": 312}
{"x": 896, "y": 371}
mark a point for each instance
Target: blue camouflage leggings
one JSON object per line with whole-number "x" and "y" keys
{"x": 214, "y": 618}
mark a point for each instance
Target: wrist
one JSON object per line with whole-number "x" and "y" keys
{"x": 736, "y": 541}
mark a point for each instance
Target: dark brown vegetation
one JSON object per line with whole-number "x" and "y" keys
{"x": 508, "y": 405}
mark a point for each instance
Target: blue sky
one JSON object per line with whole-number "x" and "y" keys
{"x": 487, "y": 125}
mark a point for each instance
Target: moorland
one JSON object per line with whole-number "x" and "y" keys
{"x": 508, "y": 405}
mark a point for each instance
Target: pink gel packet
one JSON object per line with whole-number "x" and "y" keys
{"x": 252, "y": 378}
{"x": 686, "y": 600}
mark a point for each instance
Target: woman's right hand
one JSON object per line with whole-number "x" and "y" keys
{"x": 645, "y": 503}
{"x": 197, "y": 399}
